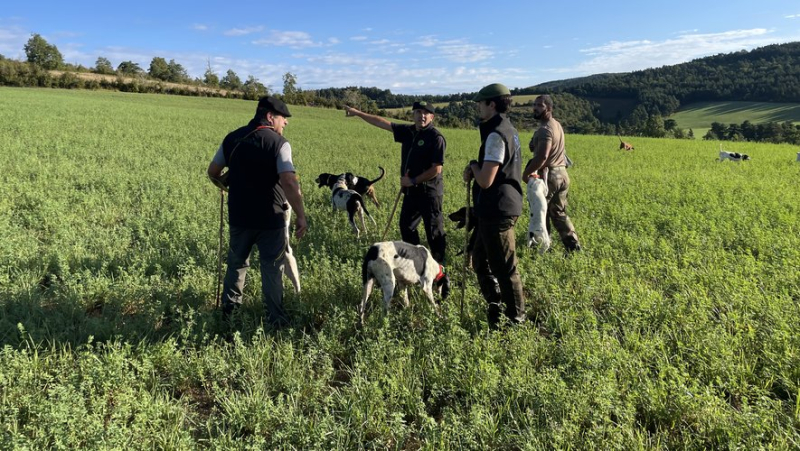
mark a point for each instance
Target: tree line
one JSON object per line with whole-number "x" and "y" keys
{"x": 773, "y": 132}
{"x": 632, "y": 104}
{"x": 43, "y": 57}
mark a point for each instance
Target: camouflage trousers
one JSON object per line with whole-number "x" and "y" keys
{"x": 557, "y": 190}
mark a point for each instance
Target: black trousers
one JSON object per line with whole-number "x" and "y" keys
{"x": 428, "y": 209}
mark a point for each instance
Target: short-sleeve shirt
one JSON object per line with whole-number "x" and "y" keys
{"x": 420, "y": 150}
{"x": 551, "y": 130}
{"x": 495, "y": 148}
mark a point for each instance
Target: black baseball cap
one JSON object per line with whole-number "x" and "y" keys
{"x": 274, "y": 105}
{"x": 427, "y": 106}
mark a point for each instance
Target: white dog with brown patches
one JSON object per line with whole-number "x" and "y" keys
{"x": 537, "y": 202}
{"x": 395, "y": 265}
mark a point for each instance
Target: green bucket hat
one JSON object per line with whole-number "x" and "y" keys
{"x": 491, "y": 91}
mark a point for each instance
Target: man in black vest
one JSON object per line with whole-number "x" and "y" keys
{"x": 261, "y": 180}
{"x": 498, "y": 204}
{"x": 421, "y": 160}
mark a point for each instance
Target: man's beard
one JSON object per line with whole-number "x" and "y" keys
{"x": 537, "y": 115}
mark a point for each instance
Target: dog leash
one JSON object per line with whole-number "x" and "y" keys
{"x": 219, "y": 248}
{"x": 466, "y": 254}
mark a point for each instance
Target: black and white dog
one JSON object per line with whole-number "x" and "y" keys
{"x": 732, "y": 156}
{"x": 460, "y": 218}
{"x": 346, "y": 199}
{"x": 537, "y": 202}
{"x": 361, "y": 185}
{"x": 396, "y": 265}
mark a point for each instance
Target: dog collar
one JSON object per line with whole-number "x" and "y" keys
{"x": 441, "y": 273}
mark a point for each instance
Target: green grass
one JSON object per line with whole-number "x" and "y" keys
{"x": 699, "y": 116}
{"x": 675, "y": 328}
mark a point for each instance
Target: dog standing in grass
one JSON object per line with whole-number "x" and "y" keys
{"x": 350, "y": 201}
{"x": 395, "y": 265}
{"x": 361, "y": 185}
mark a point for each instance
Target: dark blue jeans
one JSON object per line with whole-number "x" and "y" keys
{"x": 271, "y": 249}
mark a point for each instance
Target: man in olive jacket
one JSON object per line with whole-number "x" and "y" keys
{"x": 498, "y": 204}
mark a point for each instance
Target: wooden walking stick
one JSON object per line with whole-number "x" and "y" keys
{"x": 391, "y": 215}
{"x": 394, "y": 208}
{"x": 219, "y": 248}
{"x": 466, "y": 253}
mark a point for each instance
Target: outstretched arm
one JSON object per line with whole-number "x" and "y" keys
{"x": 369, "y": 118}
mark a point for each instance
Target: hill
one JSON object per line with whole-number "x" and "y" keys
{"x": 628, "y": 100}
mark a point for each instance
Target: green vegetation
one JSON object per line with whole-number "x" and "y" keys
{"x": 699, "y": 116}
{"x": 675, "y": 328}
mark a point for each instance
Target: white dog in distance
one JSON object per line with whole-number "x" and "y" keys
{"x": 537, "y": 201}
{"x": 733, "y": 156}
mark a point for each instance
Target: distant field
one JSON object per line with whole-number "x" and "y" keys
{"x": 699, "y": 116}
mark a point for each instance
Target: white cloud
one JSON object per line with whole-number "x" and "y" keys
{"x": 293, "y": 39}
{"x": 628, "y": 56}
{"x": 243, "y": 31}
{"x": 792, "y": 16}
{"x": 334, "y": 41}
{"x": 199, "y": 27}
{"x": 465, "y": 53}
{"x": 12, "y": 41}
{"x": 358, "y": 38}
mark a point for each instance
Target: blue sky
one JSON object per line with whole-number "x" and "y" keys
{"x": 434, "y": 47}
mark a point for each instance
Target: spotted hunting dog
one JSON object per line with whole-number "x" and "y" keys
{"x": 537, "y": 201}
{"x": 395, "y": 265}
{"x": 733, "y": 156}
{"x": 350, "y": 201}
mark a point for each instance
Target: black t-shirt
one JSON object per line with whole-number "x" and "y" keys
{"x": 420, "y": 150}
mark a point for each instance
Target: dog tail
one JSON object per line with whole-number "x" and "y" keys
{"x": 380, "y": 176}
{"x": 363, "y": 207}
{"x": 371, "y": 255}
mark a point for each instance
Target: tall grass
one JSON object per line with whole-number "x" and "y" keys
{"x": 675, "y": 328}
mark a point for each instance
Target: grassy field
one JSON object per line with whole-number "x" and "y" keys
{"x": 699, "y": 116}
{"x": 675, "y": 328}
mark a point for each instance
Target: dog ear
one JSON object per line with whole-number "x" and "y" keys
{"x": 459, "y": 217}
{"x": 444, "y": 283}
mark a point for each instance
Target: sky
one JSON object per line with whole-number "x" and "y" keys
{"x": 433, "y": 47}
